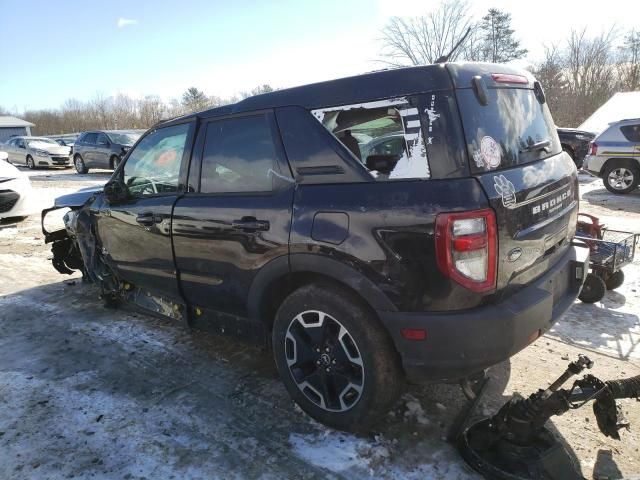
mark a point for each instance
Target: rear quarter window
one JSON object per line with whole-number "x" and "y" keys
{"x": 631, "y": 132}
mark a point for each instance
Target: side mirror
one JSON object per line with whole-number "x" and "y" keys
{"x": 115, "y": 191}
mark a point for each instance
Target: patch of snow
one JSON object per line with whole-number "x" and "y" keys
{"x": 414, "y": 410}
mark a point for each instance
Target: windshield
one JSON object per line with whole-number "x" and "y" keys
{"x": 124, "y": 138}
{"x": 512, "y": 129}
{"x": 40, "y": 140}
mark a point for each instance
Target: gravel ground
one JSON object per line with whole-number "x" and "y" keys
{"x": 87, "y": 392}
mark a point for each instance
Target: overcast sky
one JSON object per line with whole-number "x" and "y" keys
{"x": 55, "y": 50}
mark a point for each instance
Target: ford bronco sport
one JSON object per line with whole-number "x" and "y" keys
{"x": 413, "y": 224}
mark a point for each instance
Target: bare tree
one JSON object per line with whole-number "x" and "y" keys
{"x": 550, "y": 72}
{"x": 151, "y": 110}
{"x": 590, "y": 71}
{"x": 423, "y": 39}
{"x": 629, "y": 62}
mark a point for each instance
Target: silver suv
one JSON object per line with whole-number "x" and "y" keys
{"x": 614, "y": 156}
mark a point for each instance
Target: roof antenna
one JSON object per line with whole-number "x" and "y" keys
{"x": 445, "y": 58}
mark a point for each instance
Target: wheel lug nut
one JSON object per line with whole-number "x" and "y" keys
{"x": 327, "y": 349}
{"x": 333, "y": 361}
{"x": 328, "y": 369}
{"x": 317, "y": 350}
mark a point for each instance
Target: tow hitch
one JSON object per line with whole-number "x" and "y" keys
{"x": 515, "y": 444}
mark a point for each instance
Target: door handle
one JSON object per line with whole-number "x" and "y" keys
{"x": 250, "y": 224}
{"x": 148, "y": 219}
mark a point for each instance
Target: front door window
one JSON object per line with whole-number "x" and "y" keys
{"x": 153, "y": 167}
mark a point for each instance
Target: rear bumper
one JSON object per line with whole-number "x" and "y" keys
{"x": 461, "y": 343}
{"x": 593, "y": 164}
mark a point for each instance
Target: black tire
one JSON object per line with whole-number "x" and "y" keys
{"x": 114, "y": 161}
{"x": 615, "y": 280}
{"x": 78, "y": 162}
{"x": 367, "y": 390}
{"x": 30, "y": 163}
{"x": 621, "y": 177}
{"x": 593, "y": 289}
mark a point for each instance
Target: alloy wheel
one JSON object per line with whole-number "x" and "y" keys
{"x": 620, "y": 178}
{"x": 324, "y": 361}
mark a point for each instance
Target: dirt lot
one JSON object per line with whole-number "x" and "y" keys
{"x": 87, "y": 392}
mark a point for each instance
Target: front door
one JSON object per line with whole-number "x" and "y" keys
{"x": 238, "y": 218}
{"x": 135, "y": 234}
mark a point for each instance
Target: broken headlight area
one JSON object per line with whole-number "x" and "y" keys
{"x": 75, "y": 248}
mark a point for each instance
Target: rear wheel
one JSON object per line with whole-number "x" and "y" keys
{"x": 30, "y": 164}
{"x": 593, "y": 289}
{"x": 615, "y": 280}
{"x": 335, "y": 359}
{"x": 621, "y": 177}
{"x": 79, "y": 164}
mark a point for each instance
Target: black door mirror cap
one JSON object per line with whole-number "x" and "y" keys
{"x": 115, "y": 191}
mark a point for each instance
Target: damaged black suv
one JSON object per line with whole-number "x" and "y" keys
{"x": 412, "y": 224}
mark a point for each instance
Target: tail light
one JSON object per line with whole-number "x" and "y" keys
{"x": 466, "y": 248}
{"x": 593, "y": 150}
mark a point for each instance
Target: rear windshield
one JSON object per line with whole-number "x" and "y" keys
{"x": 512, "y": 129}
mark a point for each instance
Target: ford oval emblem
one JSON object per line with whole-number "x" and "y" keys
{"x": 514, "y": 254}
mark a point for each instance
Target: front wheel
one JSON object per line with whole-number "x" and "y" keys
{"x": 30, "y": 164}
{"x": 335, "y": 359}
{"x": 79, "y": 164}
{"x": 621, "y": 178}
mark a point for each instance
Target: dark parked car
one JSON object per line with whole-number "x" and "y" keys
{"x": 263, "y": 220}
{"x": 102, "y": 148}
{"x": 575, "y": 143}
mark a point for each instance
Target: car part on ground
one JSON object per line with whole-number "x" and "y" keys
{"x": 15, "y": 193}
{"x": 264, "y": 220}
{"x": 515, "y": 444}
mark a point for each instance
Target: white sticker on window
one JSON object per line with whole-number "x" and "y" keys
{"x": 491, "y": 152}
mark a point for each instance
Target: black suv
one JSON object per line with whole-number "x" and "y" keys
{"x": 575, "y": 143}
{"x": 431, "y": 259}
{"x": 102, "y": 148}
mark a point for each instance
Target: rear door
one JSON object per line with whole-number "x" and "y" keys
{"x": 237, "y": 215}
{"x": 532, "y": 185}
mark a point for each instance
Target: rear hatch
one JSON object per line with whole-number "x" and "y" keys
{"x": 515, "y": 154}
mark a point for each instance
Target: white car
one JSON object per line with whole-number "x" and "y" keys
{"x": 37, "y": 152}
{"x": 15, "y": 192}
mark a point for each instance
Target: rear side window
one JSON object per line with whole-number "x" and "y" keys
{"x": 239, "y": 156}
{"x": 386, "y": 136}
{"x": 631, "y": 132}
{"x": 514, "y": 128}
{"x": 90, "y": 138}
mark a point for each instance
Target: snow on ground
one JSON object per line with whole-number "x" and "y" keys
{"x": 87, "y": 392}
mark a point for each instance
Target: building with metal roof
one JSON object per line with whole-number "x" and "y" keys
{"x": 12, "y": 127}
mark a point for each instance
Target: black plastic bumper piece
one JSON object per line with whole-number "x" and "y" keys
{"x": 461, "y": 343}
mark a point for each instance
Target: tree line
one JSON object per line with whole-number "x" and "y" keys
{"x": 122, "y": 111}
{"x": 578, "y": 75}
